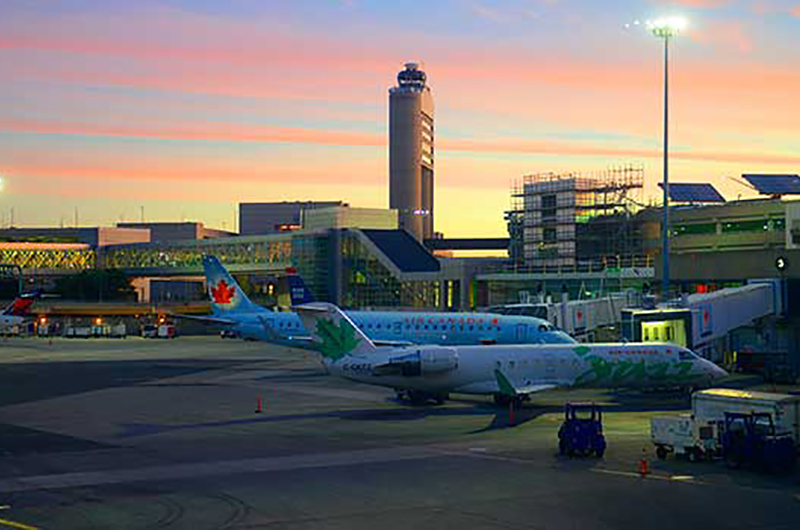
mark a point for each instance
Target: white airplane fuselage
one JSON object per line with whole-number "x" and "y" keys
{"x": 471, "y": 369}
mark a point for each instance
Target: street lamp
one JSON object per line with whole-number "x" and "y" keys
{"x": 666, "y": 28}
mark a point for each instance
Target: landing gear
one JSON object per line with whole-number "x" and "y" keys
{"x": 419, "y": 398}
{"x": 503, "y": 400}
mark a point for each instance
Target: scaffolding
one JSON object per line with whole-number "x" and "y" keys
{"x": 563, "y": 219}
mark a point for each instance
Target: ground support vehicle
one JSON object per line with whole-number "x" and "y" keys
{"x": 684, "y": 436}
{"x": 581, "y": 434}
{"x": 711, "y": 406}
{"x": 751, "y": 439}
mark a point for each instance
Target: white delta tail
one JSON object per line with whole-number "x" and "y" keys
{"x": 333, "y": 333}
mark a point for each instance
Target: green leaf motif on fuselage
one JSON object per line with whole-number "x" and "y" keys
{"x": 658, "y": 372}
{"x": 617, "y": 373}
{"x": 581, "y": 350}
{"x": 600, "y": 370}
{"x": 629, "y": 369}
{"x": 336, "y": 341}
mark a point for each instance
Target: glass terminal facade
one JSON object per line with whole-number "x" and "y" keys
{"x": 366, "y": 282}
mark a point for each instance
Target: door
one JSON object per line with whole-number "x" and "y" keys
{"x": 521, "y": 332}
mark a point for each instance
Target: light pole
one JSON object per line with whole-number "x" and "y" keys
{"x": 666, "y": 28}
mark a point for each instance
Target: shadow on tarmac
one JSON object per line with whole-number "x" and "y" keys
{"x": 25, "y": 382}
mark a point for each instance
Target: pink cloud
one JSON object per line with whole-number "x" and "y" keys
{"x": 703, "y": 4}
{"x": 210, "y": 131}
{"x": 795, "y": 11}
{"x": 725, "y": 36}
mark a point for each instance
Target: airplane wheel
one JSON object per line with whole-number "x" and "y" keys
{"x": 418, "y": 399}
{"x": 501, "y": 400}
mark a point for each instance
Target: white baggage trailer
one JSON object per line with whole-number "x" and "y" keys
{"x": 684, "y": 436}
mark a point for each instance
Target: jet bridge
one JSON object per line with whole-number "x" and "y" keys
{"x": 702, "y": 322}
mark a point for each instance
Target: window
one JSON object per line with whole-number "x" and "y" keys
{"x": 549, "y": 235}
{"x": 692, "y": 229}
{"x": 549, "y": 208}
{"x": 746, "y": 226}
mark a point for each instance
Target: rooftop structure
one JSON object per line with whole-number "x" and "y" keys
{"x": 97, "y": 236}
{"x": 167, "y": 231}
{"x": 261, "y": 218}
{"x": 347, "y": 217}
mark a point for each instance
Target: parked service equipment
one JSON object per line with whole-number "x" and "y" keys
{"x": 684, "y": 436}
{"x": 166, "y": 331}
{"x": 752, "y": 439}
{"x": 784, "y": 409}
{"x": 581, "y": 434}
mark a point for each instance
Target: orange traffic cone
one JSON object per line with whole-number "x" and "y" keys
{"x": 258, "y": 404}
{"x": 644, "y": 465}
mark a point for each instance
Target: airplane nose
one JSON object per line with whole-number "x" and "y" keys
{"x": 717, "y": 372}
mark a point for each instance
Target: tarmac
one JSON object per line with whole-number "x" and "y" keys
{"x": 136, "y": 433}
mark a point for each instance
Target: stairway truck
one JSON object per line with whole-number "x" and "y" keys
{"x": 684, "y": 436}
{"x": 711, "y": 405}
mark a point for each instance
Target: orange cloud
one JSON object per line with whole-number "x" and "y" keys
{"x": 724, "y": 35}
{"x": 795, "y": 11}
{"x": 228, "y": 132}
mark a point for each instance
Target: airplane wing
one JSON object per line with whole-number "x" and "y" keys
{"x": 392, "y": 343}
{"x": 508, "y": 388}
{"x": 205, "y": 319}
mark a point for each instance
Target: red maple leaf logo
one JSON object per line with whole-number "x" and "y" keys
{"x": 223, "y": 293}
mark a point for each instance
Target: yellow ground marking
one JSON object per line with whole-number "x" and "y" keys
{"x": 19, "y": 526}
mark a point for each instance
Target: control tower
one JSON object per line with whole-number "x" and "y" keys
{"x": 411, "y": 152}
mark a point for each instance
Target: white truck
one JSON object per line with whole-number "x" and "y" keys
{"x": 712, "y": 404}
{"x": 697, "y": 435}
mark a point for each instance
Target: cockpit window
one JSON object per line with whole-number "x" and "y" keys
{"x": 685, "y": 355}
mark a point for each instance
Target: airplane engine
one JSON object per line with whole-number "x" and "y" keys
{"x": 435, "y": 360}
{"x": 430, "y": 360}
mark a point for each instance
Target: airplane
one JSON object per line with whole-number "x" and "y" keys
{"x": 510, "y": 373}
{"x": 233, "y": 309}
{"x": 15, "y": 313}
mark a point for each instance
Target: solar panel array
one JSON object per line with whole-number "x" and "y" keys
{"x": 683, "y": 192}
{"x": 775, "y": 184}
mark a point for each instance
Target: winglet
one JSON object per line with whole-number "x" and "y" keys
{"x": 334, "y": 334}
{"x": 503, "y": 384}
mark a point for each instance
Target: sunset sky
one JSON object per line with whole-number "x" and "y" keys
{"x": 187, "y": 107}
